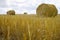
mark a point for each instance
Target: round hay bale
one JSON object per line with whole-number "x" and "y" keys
{"x": 46, "y": 10}
{"x": 11, "y": 12}
{"x": 25, "y": 12}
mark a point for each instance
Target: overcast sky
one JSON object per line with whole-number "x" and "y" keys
{"x": 28, "y": 6}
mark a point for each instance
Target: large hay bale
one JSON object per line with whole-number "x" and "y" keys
{"x": 11, "y": 12}
{"x": 46, "y": 10}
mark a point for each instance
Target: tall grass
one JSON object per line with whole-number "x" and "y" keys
{"x": 27, "y": 27}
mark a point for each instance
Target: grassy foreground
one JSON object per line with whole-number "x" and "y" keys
{"x": 29, "y": 27}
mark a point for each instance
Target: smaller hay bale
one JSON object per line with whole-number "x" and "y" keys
{"x": 25, "y": 12}
{"x": 46, "y": 10}
{"x": 11, "y": 12}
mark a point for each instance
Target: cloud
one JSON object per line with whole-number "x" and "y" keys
{"x": 25, "y": 5}
{"x": 2, "y": 10}
{"x": 22, "y": 6}
{"x": 3, "y": 3}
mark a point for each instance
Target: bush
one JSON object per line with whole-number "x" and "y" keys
{"x": 46, "y": 10}
{"x": 11, "y": 12}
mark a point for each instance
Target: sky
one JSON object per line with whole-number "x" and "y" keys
{"x": 21, "y": 6}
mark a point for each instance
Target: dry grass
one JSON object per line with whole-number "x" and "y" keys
{"x": 27, "y": 27}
